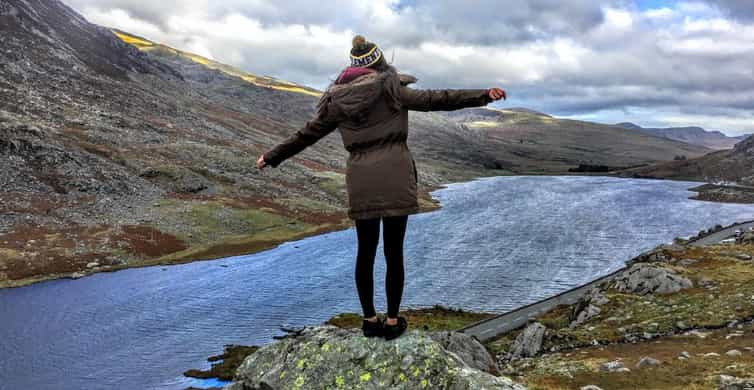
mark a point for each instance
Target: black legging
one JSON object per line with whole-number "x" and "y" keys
{"x": 368, "y": 234}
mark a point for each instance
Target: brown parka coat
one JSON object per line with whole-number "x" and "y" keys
{"x": 371, "y": 113}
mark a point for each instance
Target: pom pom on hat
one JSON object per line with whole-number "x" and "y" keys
{"x": 364, "y": 53}
{"x": 359, "y": 43}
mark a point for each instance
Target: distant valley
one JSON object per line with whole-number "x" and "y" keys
{"x": 691, "y": 135}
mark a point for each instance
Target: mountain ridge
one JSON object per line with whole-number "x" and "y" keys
{"x": 690, "y": 134}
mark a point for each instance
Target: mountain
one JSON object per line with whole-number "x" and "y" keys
{"x": 692, "y": 135}
{"x": 525, "y": 141}
{"x": 116, "y": 151}
{"x": 735, "y": 166}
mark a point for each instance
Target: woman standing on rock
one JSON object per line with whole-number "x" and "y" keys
{"x": 369, "y": 103}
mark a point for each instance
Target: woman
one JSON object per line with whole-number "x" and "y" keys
{"x": 369, "y": 103}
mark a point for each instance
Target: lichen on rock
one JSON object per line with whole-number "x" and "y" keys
{"x": 327, "y": 357}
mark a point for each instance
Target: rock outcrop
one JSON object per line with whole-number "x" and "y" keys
{"x": 529, "y": 342}
{"x": 645, "y": 279}
{"x": 330, "y": 357}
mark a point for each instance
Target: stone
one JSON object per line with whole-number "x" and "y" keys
{"x": 529, "y": 342}
{"x": 613, "y": 366}
{"x": 647, "y": 362}
{"x": 687, "y": 262}
{"x": 685, "y": 355}
{"x": 650, "y": 279}
{"x": 711, "y": 355}
{"x": 329, "y": 357}
{"x": 92, "y": 264}
{"x": 466, "y": 348}
{"x": 586, "y": 314}
{"x": 734, "y": 353}
{"x": 591, "y": 387}
{"x": 743, "y": 256}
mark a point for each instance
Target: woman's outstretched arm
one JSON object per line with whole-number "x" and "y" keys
{"x": 319, "y": 126}
{"x": 448, "y": 99}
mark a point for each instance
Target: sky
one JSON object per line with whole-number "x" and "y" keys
{"x": 655, "y": 63}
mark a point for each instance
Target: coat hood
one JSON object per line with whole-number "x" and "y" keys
{"x": 357, "y": 92}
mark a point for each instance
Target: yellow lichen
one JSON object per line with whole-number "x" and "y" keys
{"x": 365, "y": 377}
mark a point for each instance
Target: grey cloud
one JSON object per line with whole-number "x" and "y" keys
{"x": 740, "y": 9}
{"x": 651, "y": 67}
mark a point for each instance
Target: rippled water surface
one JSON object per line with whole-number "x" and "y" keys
{"x": 496, "y": 244}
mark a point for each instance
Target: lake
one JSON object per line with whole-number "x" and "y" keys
{"x": 496, "y": 244}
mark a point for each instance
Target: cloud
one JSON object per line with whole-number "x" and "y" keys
{"x": 738, "y": 9}
{"x": 588, "y": 59}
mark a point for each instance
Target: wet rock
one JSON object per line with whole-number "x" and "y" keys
{"x": 529, "y": 342}
{"x": 330, "y": 357}
{"x": 647, "y": 362}
{"x": 650, "y": 279}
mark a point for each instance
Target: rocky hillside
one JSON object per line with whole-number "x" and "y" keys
{"x": 691, "y": 135}
{"x": 116, "y": 151}
{"x": 679, "y": 318}
{"x": 728, "y": 166}
{"x": 527, "y": 141}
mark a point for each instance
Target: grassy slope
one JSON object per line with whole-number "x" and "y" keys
{"x": 729, "y": 296}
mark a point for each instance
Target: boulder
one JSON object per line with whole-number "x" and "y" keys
{"x": 585, "y": 315}
{"x": 466, "y": 348}
{"x": 650, "y": 279}
{"x": 614, "y": 366}
{"x": 529, "y": 342}
{"x": 734, "y": 353}
{"x": 647, "y": 362}
{"x": 661, "y": 254}
{"x": 591, "y": 387}
{"x": 746, "y": 238}
{"x": 330, "y": 357}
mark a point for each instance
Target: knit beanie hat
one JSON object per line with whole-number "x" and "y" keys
{"x": 364, "y": 53}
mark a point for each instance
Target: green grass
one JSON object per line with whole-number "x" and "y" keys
{"x": 433, "y": 318}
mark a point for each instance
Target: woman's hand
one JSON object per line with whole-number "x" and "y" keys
{"x": 261, "y": 163}
{"x": 496, "y": 94}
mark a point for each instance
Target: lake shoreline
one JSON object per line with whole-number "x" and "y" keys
{"x": 249, "y": 245}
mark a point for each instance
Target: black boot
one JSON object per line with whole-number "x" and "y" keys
{"x": 373, "y": 329}
{"x": 394, "y": 331}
